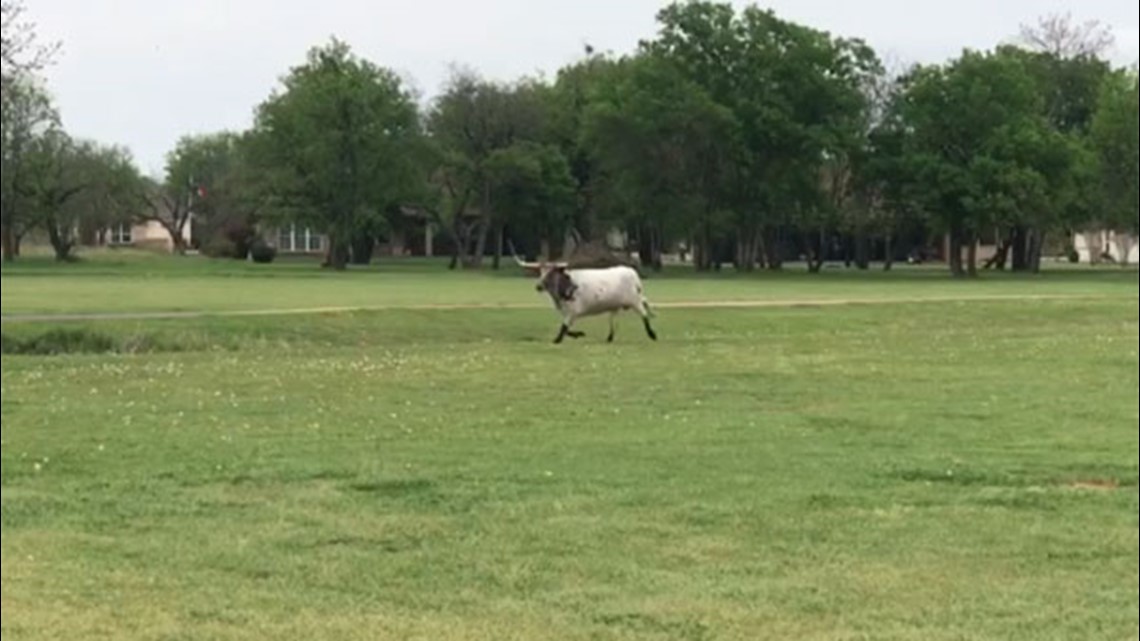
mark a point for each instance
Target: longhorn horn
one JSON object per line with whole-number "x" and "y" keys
{"x": 514, "y": 253}
{"x": 522, "y": 263}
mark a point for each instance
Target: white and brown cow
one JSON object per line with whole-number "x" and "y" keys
{"x": 577, "y": 293}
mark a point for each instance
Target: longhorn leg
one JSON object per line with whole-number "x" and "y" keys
{"x": 643, "y": 309}
{"x": 610, "y": 338}
{"x": 569, "y": 322}
{"x": 649, "y": 329}
{"x": 565, "y": 331}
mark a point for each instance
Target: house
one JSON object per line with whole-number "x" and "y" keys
{"x": 143, "y": 232}
{"x": 295, "y": 239}
{"x": 1091, "y": 246}
{"x": 147, "y": 234}
{"x": 302, "y": 240}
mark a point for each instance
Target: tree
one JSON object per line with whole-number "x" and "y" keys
{"x": 983, "y": 152}
{"x": 214, "y": 172}
{"x": 53, "y": 163}
{"x": 112, "y": 190}
{"x": 662, "y": 148}
{"x": 1116, "y": 142}
{"x": 1062, "y": 38}
{"x": 884, "y": 201}
{"x": 533, "y": 191}
{"x": 796, "y": 94}
{"x": 575, "y": 89}
{"x": 335, "y": 142}
{"x": 469, "y": 122}
{"x": 194, "y": 165}
{"x": 27, "y": 113}
{"x": 21, "y": 54}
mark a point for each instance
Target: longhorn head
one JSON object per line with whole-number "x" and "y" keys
{"x": 552, "y": 276}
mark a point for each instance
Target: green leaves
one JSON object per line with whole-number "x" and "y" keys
{"x": 727, "y": 127}
{"x": 982, "y": 119}
{"x": 337, "y": 141}
{"x": 532, "y": 187}
{"x": 663, "y": 142}
{"x": 791, "y": 96}
{"x": 497, "y": 163}
{"x": 1115, "y": 141}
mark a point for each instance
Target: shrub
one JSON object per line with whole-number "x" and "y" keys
{"x": 262, "y": 252}
{"x": 597, "y": 254}
{"x": 242, "y": 234}
{"x": 60, "y": 341}
{"x": 220, "y": 247}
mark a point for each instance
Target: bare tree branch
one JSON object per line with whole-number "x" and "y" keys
{"x": 19, "y": 50}
{"x": 1061, "y": 36}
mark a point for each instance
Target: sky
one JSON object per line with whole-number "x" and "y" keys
{"x": 142, "y": 73}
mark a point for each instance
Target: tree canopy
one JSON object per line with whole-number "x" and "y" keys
{"x": 732, "y": 134}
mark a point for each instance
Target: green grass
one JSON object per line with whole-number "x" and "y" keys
{"x": 954, "y": 470}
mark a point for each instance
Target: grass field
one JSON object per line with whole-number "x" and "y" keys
{"x": 960, "y": 469}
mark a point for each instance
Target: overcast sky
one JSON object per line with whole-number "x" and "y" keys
{"x": 144, "y": 72}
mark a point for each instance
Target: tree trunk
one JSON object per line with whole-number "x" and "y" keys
{"x": 745, "y": 258}
{"x": 955, "y": 251}
{"x": 336, "y": 257}
{"x": 59, "y": 243}
{"x": 1019, "y": 247}
{"x": 177, "y": 242}
{"x": 475, "y": 260}
{"x": 1124, "y": 245}
{"x": 498, "y": 247}
{"x": 174, "y": 230}
{"x": 1036, "y": 245}
{"x": 862, "y": 251}
{"x": 972, "y": 256}
{"x": 1001, "y": 255}
{"x": 462, "y": 235}
{"x": 815, "y": 251}
{"x": 702, "y": 249}
{"x": 9, "y": 243}
{"x": 888, "y": 253}
{"x": 645, "y": 246}
{"x": 655, "y": 248}
{"x": 363, "y": 245}
{"x": 773, "y": 248}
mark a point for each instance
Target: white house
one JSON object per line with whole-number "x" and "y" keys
{"x": 147, "y": 234}
{"x": 1122, "y": 247}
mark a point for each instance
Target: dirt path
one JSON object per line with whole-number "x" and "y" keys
{"x": 713, "y": 304}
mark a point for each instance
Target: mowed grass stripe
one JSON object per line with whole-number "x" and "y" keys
{"x": 715, "y": 304}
